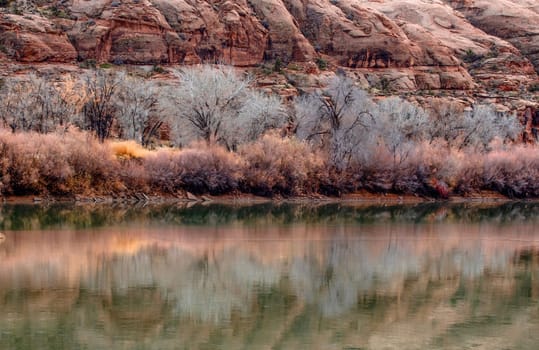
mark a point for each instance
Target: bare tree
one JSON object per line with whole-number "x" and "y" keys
{"x": 34, "y": 103}
{"x": 259, "y": 113}
{"x": 337, "y": 118}
{"x": 474, "y": 128}
{"x": 400, "y": 124}
{"x": 483, "y": 124}
{"x": 204, "y": 101}
{"x": 445, "y": 121}
{"x": 138, "y": 109}
{"x": 100, "y": 88}
{"x": 216, "y": 105}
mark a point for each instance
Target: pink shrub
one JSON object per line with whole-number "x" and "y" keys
{"x": 73, "y": 162}
{"x": 163, "y": 171}
{"x": 198, "y": 169}
{"x": 512, "y": 172}
{"x": 57, "y": 163}
{"x": 209, "y": 169}
{"x": 276, "y": 165}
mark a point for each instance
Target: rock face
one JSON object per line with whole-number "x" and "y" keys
{"x": 32, "y": 38}
{"x": 448, "y": 38}
{"x": 125, "y": 32}
{"x": 225, "y": 32}
{"x": 163, "y": 31}
{"x": 406, "y": 45}
{"x": 516, "y": 21}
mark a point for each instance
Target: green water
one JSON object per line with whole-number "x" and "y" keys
{"x": 270, "y": 277}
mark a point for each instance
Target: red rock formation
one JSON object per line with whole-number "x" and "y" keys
{"x": 32, "y": 38}
{"x": 401, "y": 44}
{"x": 127, "y": 32}
{"x": 226, "y": 32}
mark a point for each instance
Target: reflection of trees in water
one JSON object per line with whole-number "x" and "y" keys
{"x": 387, "y": 288}
{"x": 341, "y": 290}
{"x": 205, "y": 288}
{"x": 26, "y": 217}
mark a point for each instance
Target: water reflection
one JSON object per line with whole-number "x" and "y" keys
{"x": 270, "y": 277}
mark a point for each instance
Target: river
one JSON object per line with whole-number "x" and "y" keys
{"x": 270, "y": 276}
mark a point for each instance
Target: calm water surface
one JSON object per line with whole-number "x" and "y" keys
{"x": 270, "y": 277}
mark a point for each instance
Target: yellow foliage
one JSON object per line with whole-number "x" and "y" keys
{"x": 128, "y": 149}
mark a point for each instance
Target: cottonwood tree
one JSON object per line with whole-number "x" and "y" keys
{"x": 259, "y": 113}
{"x": 138, "y": 109}
{"x": 399, "y": 126}
{"x": 446, "y": 122}
{"x": 100, "y": 88}
{"x": 337, "y": 118}
{"x": 34, "y": 103}
{"x": 214, "y": 104}
{"x": 471, "y": 129}
{"x": 483, "y": 124}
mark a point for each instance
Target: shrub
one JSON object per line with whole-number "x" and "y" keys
{"x": 209, "y": 169}
{"x": 163, "y": 170}
{"x": 470, "y": 56}
{"x": 321, "y": 63}
{"x": 278, "y": 65}
{"x": 534, "y": 87}
{"x": 56, "y": 163}
{"x": 198, "y": 169}
{"x": 285, "y": 166}
{"x": 88, "y": 64}
{"x": 512, "y": 172}
{"x": 128, "y": 150}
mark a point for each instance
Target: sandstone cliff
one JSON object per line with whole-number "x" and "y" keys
{"x": 478, "y": 47}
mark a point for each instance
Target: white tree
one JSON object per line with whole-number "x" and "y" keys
{"x": 483, "y": 124}
{"x": 34, "y": 103}
{"x": 473, "y": 129}
{"x": 259, "y": 113}
{"x": 138, "y": 108}
{"x": 214, "y": 104}
{"x": 445, "y": 121}
{"x": 400, "y": 124}
{"x": 337, "y": 118}
{"x": 205, "y": 100}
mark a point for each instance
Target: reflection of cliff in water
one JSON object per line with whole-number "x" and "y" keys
{"x": 402, "y": 285}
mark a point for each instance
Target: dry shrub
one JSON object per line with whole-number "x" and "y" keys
{"x": 132, "y": 171}
{"x": 132, "y": 176}
{"x": 93, "y": 163}
{"x": 276, "y": 165}
{"x": 209, "y": 169}
{"x": 27, "y": 164}
{"x": 128, "y": 149}
{"x": 163, "y": 170}
{"x": 74, "y": 162}
{"x": 508, "y": 169}
{"x": 382, "y": 171}
{"x": 198, "y": 169}
{"x": 512, "y": 172}
{"x": 57, "y": 163}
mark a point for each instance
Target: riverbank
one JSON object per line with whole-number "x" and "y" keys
{"x": 74, "y": 166}
{"x": 362, "y": 197}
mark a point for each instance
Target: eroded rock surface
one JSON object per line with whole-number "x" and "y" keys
{"x": 516, "y": 21}
{"x": 32, "y": 38}
{"x": 397, "y": 45}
